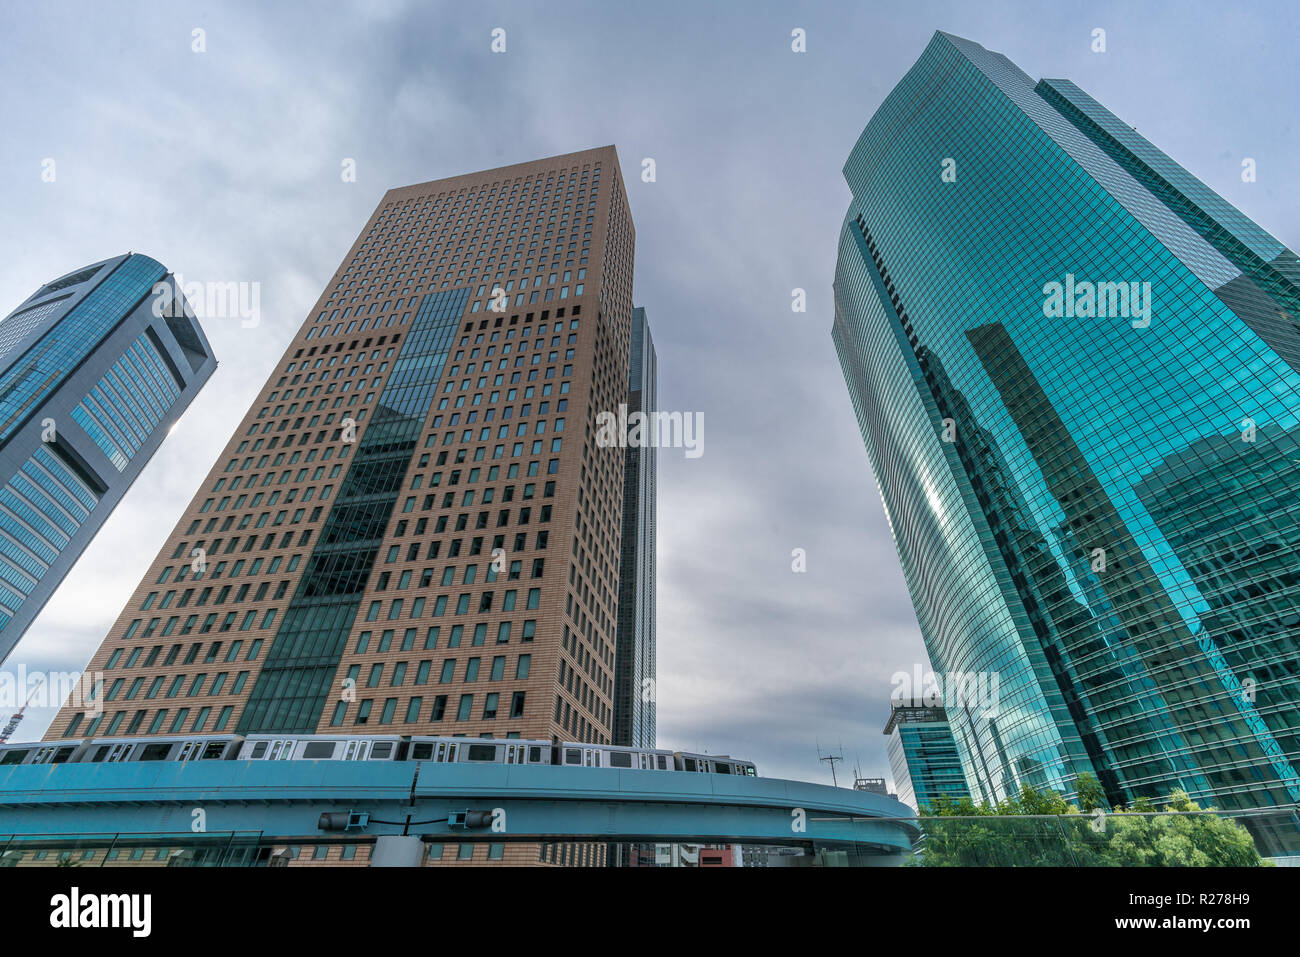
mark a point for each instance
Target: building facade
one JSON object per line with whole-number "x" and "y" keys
{"x": 634, "y": 660}
{"x": 413, "y": 530}
{"x": 923, "y": 755}
{"x": 95, "y": 368}
{"x": 1076, "y": 371}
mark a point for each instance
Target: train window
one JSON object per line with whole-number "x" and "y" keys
{"x": 100, "y": 754}
{"x": 620, "y": 759}
{"x": 381, "y": 750}
{"x": 723, "y": 768}
{"x": 663, "y": 763}
{"x": 689, "y": 764}
{"x": 15, "y": 757}
{"x": 62, "y": 755}
{"x": 534, "y": 755}
{"x": 422, "y": 751}
{"x": 155, "y": 752}
{"x": 319, "y": 749}
{"x": 482, "y": 752}
{"x": 572, "y": 756}
{"x": 259, "y": 750}
{"x": 214, "y": 750}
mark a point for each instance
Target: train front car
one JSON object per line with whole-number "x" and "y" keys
{"x": 40, "y": 752}
{"x": 714, "y": 764}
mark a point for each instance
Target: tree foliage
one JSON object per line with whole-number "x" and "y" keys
{"x": 1038, "y": 828}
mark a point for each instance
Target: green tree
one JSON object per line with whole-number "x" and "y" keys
{"x": 1172, "y": 839}
{"x": 1091, "y": 796}
{"x": 1038, "y": 828}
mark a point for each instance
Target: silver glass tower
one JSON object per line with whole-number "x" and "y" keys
{"x": 95, "y": 368}
{"x": 634, "y": 657}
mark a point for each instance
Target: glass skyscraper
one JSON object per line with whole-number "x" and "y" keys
{"x": 634, "y": 659}
{"x": 923, "y": 755}
{"x": 1077, "y": 374}
{"x": 92, "y": 377}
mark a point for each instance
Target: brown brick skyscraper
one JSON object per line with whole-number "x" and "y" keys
{"x": 413, "y": 530}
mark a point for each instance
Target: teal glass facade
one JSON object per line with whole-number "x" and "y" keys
{"x": 1075, "y": 372}
{"x": 128, "y": 402}
{"x": 44, "y": 504}
{"x": 923, "y": 756}
{"x": 42, "y": 366}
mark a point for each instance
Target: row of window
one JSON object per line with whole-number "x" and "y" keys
{"x": 245, "y": 622}
{"x": 412, "y": 713}
{"x": 165, "y": 721}
{"x": 196, "y": 688}
{"x": 173, "y": 653}
{"x": 446, "y": 675}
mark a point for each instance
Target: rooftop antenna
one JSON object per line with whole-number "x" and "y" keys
{"x": 831, "y": 759}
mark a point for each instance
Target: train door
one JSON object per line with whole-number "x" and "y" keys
{"x": 45, "y": 756}
{"x": 355, "y": 751}
{"x": 280, "y": 750}
{"x": 119, "y": 752}
{"x": 189, "y": 749}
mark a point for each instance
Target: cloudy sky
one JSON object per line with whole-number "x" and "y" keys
{"x": 224, "y": 165}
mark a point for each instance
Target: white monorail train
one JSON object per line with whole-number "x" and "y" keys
{"x": 318, "y": 747}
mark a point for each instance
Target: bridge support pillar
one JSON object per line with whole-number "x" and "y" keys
{"x": 396, "y": 850}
